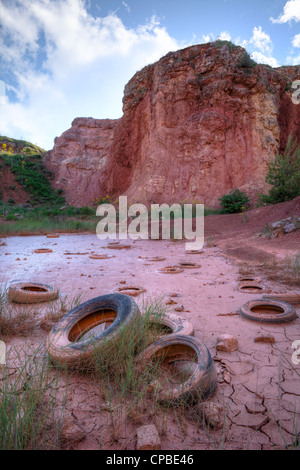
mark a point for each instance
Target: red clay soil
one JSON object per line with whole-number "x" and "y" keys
{"x": 237, "y": 233}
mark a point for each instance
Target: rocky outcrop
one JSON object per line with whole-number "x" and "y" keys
{"x": 196, "y": 124}
{"x": 79, "y": 158}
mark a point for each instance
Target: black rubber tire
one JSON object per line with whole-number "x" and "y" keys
{"x": 171, "y": 270}
{"x": 200, "y": 385}
{"x": 43, "y": 250}
{"x": 118, "y": 310}
{"x": 188, "y": 265}
{"x": 178, "y": 325}
{"x": 248, "y": 287}
{"x": 31, "y": 292}
{"x": 286, "y": 312}
{"x": 133, "y": 291}
{"x": 250, "y": 279}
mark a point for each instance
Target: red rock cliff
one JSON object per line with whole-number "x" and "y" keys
{"x": 195, "y": 125}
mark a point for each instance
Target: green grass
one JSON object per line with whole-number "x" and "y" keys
{"x": 45, "y": 219}
{"x": 29, "y": 416}
{"x": 47, "y": 225}
{"x": 285, "y": 270}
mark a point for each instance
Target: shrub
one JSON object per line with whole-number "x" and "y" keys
{"x": 246, "y": 62}
{"x": 235, "y": 201}
{"x": 220, "y": 43}
{"x": 284, "y": 175}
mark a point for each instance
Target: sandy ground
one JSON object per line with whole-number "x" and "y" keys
{"x": 258, "y": 386}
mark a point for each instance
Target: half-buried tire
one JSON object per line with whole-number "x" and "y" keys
{"x": 175, "y": 353}
{"x": 173, "y": 324}
{"x": 65, "y": 342}
{"x": 31, "y": 292}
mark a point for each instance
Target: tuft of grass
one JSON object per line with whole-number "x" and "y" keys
{"x": 29, "y": 416}
{"x": 15, "y": 319}
{"x": 23, "y": 319}
{"x": 286, "y": 270}
{"x": 57, "y": 309}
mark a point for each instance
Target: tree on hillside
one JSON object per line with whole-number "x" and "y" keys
{"x": 284, "y": 175}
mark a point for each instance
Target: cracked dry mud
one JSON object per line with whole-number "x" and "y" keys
{"x": 258, "y": 386}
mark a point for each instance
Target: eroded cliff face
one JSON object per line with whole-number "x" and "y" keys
{"x": 79, "y": 158}
{"x": 195, "y": 125}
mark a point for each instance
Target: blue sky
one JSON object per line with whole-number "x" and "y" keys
{"x": 62, "y": 59}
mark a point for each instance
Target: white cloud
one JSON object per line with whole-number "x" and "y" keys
{"x": 291, "y": 11}
{"x": 261, "y": 40}
{"x": 126, "y": 6}
{"x": 239, "y": 42}
{"x": 293, "y": 60}
{"x": 296, "y": 40}
{"x": 225, "y": 36}
{"x": 208, "y": 37}
{"x": 67, "y": 63}
{"x": 19, "y": 30}
{"x": 261, "y": 58}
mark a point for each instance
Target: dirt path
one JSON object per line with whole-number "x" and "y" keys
{"x": 258, "y": 389}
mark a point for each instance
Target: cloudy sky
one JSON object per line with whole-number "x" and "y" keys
{"x": 62, "y": 59}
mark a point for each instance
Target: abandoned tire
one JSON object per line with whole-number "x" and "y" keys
{"x": 188, "y": 265}
{"x": 64, "y": 343}
{"x": 101, "y": 256}
{"x": 249, "y": 287}
{"x": 200, "y": 383}
{"x": 116, "y": 246}
{"x": 176, "y": 325}
{"x": 268, "y": 310}
{"x": 133, "y": 291}
{"x": 155, "y": 258}
{"x": 250, "y": 279}
{"x": 31, "y": 292}
{"x": 171, "y": 270}
{"x": 289, "y": 298}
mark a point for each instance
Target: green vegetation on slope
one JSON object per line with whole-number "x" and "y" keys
{"x": 32, "y": 175}
{"x": 46, "y": 209}
{"x": 284, "y": 175}
{"x": 7, "y": 144}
